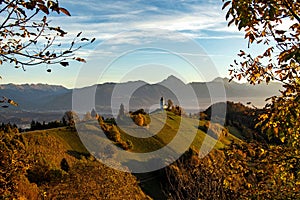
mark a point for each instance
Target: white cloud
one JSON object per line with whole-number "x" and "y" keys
{"x": 103, "y": 19}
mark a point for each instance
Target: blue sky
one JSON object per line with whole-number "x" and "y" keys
{"x": 139, "y": 39}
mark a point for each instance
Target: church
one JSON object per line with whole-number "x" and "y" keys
{"x": 163, "y": 106}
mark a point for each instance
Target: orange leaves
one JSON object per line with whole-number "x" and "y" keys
{"x": 80, "y": 60}
{"x": 251, "y": 34}
{"x": 272, "y": 169}
{"x": 286, "y": 55}
{"x": 239, "y": 77}
{"x": 65, "y": 64}
{"x": 280, "y": 32}
{"x": 40, "y": 4}
{"x": 53, "y": 6}
{"x": 43, "y": 8}
{"x": 242, "y": 53}
{"x": 30, "y": 5}
{"x": 29, "y": 40}
{"x": 279, "y": 40}
{"x": 268, "y": 80}
{"x": 11, "y": 102}
{"x": 65, "y": 11}
{"x": 251, "y": 39}
{"x": 226, "y": 4}
{"x": 230, "y": 22}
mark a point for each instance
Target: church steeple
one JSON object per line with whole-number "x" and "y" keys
{"x": 162, "y": 103}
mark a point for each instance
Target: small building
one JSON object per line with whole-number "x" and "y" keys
{"x": 162, "y": 103}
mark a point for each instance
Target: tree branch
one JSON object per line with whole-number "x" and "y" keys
{"x": 288, "y": 6}
{"x": 8, "y": 17}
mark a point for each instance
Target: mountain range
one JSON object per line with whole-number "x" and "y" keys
{"x": 139, "y": 94}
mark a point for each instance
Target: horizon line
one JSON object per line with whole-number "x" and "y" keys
{"x": 112, "y": 82}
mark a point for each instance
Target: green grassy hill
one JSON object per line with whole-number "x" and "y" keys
{"x": 44, "y": 174}
{"x": 162, "y": 130}
{"x": 164, "y": 127}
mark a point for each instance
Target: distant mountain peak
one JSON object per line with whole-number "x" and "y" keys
{"x": 220, "y": 79}
{"x": 32, "y": 86}
{"x": 172, "y": 77}
{"x": 172, "y": 80}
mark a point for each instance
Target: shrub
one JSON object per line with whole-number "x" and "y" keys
{"x": 114, "y": 134}
{"x": 138, "y": 119}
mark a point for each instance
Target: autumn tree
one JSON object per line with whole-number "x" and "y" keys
{"x": 27, "y": 38}
{"x": 270, "y": 169}
{"x": 87, "y": 116}
{"x": 275, "y": 26}
{"x": 170, "y": 104}
{"x": 139, "y": 119}
{"x": 261, "y": 171}
{"x": 70, "y": 118}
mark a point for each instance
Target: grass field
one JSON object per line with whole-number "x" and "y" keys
{"x": 168, "y": 134}
{"x": 172, "y": 133}
{"x": 86, "y": 177}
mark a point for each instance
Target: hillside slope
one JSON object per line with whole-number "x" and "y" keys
{"x": 166, "y": 129}
{"x": 57, "y": 166}
{"x": 160, "y": 133}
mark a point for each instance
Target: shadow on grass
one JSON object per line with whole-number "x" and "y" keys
{"x": 150, "y": 182}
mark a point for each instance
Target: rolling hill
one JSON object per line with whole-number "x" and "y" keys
{"x": 45, "y": 150}
{"x": 53, "y": 164}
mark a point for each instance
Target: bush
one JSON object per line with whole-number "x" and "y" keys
{"x": 141, "y": 119}
{"x": 138, "y": 119}
{"x": 114, "y": 134}
{"x": 122, "y": 145}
